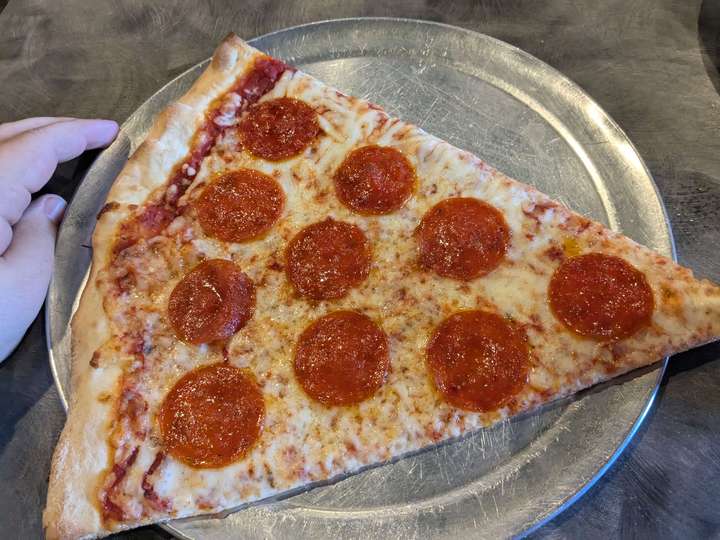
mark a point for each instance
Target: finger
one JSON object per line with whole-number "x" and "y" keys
{"x": 31, "y": 157}
{"x": 5, "y": 235}
{"x": 14, "y": 199}
{"x": 10, "y": 129}
{"x": 25, "y": 269}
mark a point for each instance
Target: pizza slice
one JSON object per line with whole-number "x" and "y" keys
{"x": 289, "y": 285}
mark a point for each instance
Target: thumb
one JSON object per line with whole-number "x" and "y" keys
{"x": 25, "y": 269}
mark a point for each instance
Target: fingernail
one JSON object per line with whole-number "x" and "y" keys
{"x": 54, "y": 207}
{"x": 109, "y": 127}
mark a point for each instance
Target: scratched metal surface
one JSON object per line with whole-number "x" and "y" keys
{"x": 524, "y": 118}
{"x": 652, "y": 64}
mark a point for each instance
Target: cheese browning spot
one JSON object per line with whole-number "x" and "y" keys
{"x": 571, "y": 247}
{"x": 478, "y": 360}
{"x": 212, "y": 416}
{"x": 211, "y": 303}
{"x": 326, "y": 259}
{"x": 279, "y": 129}
{"x": 240, "y": 205}
{"x": 601, "y": 297}
{"x": 462, "y": 238}
{"x": 342, "y": 358}
{"x": 374, "y": 180}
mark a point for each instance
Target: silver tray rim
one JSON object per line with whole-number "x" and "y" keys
{"x": 603, "y": 467}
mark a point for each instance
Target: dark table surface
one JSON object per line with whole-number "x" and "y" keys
{"x": 653, "y": 65}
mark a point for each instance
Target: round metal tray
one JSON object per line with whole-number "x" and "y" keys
{"x": 522, "y": 117}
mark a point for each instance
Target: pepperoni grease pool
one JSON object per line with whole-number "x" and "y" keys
{"x": 241, "y": 205}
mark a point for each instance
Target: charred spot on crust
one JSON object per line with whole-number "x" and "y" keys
{"x": 108, "y": 207}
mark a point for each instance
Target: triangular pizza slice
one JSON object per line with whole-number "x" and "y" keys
{"x": 289, "y": 285}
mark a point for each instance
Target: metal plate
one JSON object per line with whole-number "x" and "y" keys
{"x": 527, "y": 120}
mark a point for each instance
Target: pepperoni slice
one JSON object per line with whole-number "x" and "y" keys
{"x": 279, "y": 129}
{"x": 478, "y": 360}
{"x": 240, "y": 205}
{"x": 326, "y": 259}
{"x": 342, "y": 358}
{"x": 212, "y": 416}
{"x": 601, "y": 297}
{"x": 211, "y": 303}
{"x": 374, "y": 180}
{"x": 462, "y": 238}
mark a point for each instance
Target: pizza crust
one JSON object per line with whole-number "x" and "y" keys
{"x": 73, "y": 484}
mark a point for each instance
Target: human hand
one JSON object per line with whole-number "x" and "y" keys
{"x": 30, "y": 150}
